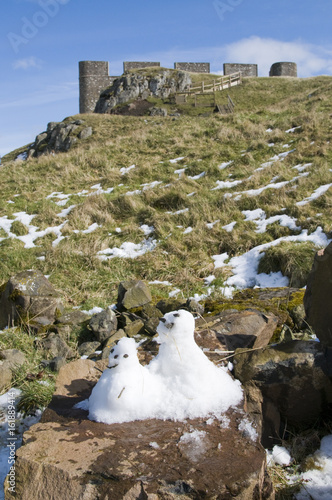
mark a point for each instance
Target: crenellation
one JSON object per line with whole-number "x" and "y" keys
{"x": 193, "y": 67}
{"x": 247, "y": 70}
{"x": 130, "y": 65}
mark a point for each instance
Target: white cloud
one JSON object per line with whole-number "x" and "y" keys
{"x": 51, "y": 93}
{"x": 311, "y": 60}
{"x": 28, "y": 62}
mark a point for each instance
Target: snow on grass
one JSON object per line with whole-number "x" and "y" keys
{"x": 175, "y": 160}
{"x": 210, "y": 225}
{"x": 258, "y": 216}
{"x": 89, "y": 230}
{"x": 125, "y": 170}
{"x": 196, "y": 177}
{"x": 317, "y": 482}
{"x": 225, "y": 164}
{"x": 229, "y": 227}
{"x": 245, "y": 267}
{"x": 226, "y": 184}
{"x": 316, "y": 194}
{"x": 291, "y": 130}
{"x": 278, "y": 456}
{"x": 128, "y": 250}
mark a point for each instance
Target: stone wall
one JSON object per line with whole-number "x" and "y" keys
{"x": 283, "y": 69}
{"x": 93, "y": 79}
{"x": 246, "y": 69}
{"x": 193, "y": 67}
{"x": 129, "y": 65}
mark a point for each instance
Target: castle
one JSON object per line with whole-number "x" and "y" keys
{"x": 94, "y": 75}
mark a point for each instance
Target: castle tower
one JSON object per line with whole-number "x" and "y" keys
{"x": 93, "y": 79}
{"x": 283, "y": 69}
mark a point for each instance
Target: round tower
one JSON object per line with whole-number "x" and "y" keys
{"x": 283, "y": 69}
{"x": 93, "y": 79}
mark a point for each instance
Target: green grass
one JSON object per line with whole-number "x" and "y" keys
{"x": 150, "y": 142}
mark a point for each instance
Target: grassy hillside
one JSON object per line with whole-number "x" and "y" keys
{"x": 186, "y": 205}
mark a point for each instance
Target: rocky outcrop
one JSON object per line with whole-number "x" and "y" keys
{"x": 29, "y": 298}
{"x": 132, "y": 86}
{"x": 59, "y": 137}
{"x": 318, "y": 296}
{"x": 285, "y": 384}
{"x": 68, "y": 456}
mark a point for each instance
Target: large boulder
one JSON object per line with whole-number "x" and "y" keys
{"x": 285, "y": 384}
{"x": 132, "y": 86}
{"x": 70, "y": 457}
{"x": 28, "y": 297}
{"x": 318, "y": 296}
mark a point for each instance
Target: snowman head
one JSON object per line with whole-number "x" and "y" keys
{"x": 123, "y": 356}
{"x": 176, "y": 325}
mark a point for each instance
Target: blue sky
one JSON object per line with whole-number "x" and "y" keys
{"x": 43, "y": 40}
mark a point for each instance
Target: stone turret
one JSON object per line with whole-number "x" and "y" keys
{"x": 93, "y": 78}
{"x": 283, "y": 69}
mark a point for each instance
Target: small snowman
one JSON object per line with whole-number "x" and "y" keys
{"x": 118, "y": 394}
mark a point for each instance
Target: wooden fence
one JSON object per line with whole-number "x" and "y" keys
{"x": 222, "y": 83}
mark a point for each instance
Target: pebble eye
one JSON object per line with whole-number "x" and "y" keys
{"x": 126, "y": 355}
{"x": 116, "y": 356}
{"x": 176, "y": 315}
{"x": 112, "y": 350}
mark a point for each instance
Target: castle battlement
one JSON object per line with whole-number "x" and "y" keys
{"x": 94, "y": 75}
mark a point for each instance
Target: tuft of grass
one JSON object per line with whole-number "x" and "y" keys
{"x": 294, "y": 260}
{"x": 35, "y": 395}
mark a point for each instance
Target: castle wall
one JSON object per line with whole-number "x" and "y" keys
{"x": 129, "y": 65}
{"x": 246, "y": 69}
{"x": 93, "y": 79}
{"x": 193, "y": 67}
{"x": 283, "y": 69}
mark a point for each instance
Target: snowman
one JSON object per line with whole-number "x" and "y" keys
{"x": 118, "y": 395}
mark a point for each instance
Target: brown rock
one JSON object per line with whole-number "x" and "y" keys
{"x": 234, "y": 329}
{"x": 318, "y": 296}
{"x": 132, "y": 294}
{"x": 70, "y": 457}
{"x": 27, "y": 296}
{"x": 293, "y": 380}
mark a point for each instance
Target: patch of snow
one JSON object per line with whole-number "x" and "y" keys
{"x": 146, "y": 229}
{"x": 316, "y": 194}
{"x": 208, "y": 280}
{"x": 188, "y": 230}
{"x": 128, "y": 250}
{"x": 196, "y": 177}
{"x": 219, "y": 260}
{"x": 291, "y": 130}
{"x": 210, "y": 225}
{"x": 175, "y": 160}
{"x": 248, "y": 430}
{"x": 66, "y": 211}
{"x": 225, "y": 164}
{"x": 229, "y": 227}
{"x": 125, "y": 170}
{"x": 226, "y": 184}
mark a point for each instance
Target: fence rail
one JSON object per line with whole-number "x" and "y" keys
{"x": 224, "y": 82}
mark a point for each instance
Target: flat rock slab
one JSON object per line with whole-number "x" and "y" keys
{"x": 70, "y": 457}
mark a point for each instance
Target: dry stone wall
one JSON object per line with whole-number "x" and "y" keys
{"x": 129, "y": 65}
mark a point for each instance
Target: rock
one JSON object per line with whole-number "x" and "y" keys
{"x": 56, "y": 363}
{"x": 158, "y": 111}
{"x": 168, "y": 305}
{"x": 240, "y": 329}
{"x": 55, "y": 346}
{"x": 5, "y": 375}
{"x": 135, "y": 86}
{"x": 104, "y": 324}
{"x": 293, "y": 380}
{"x": 134, "y": 328}
{"x": 68, "y": 456}
{"x": 72, "y": 318}
{"x": 194, "y": 307}
{"x": 318, "y": 296}
{"x": 85, "y": 133}
{"x": 13, "y": 357}
{"x": 110, "y": 343}
{"x": 27, "y": 296}
{"x": 88, "y": 348}
{"x": 132, "y": 294}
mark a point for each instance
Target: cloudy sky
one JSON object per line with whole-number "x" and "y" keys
{"x": 43, "y": 40}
